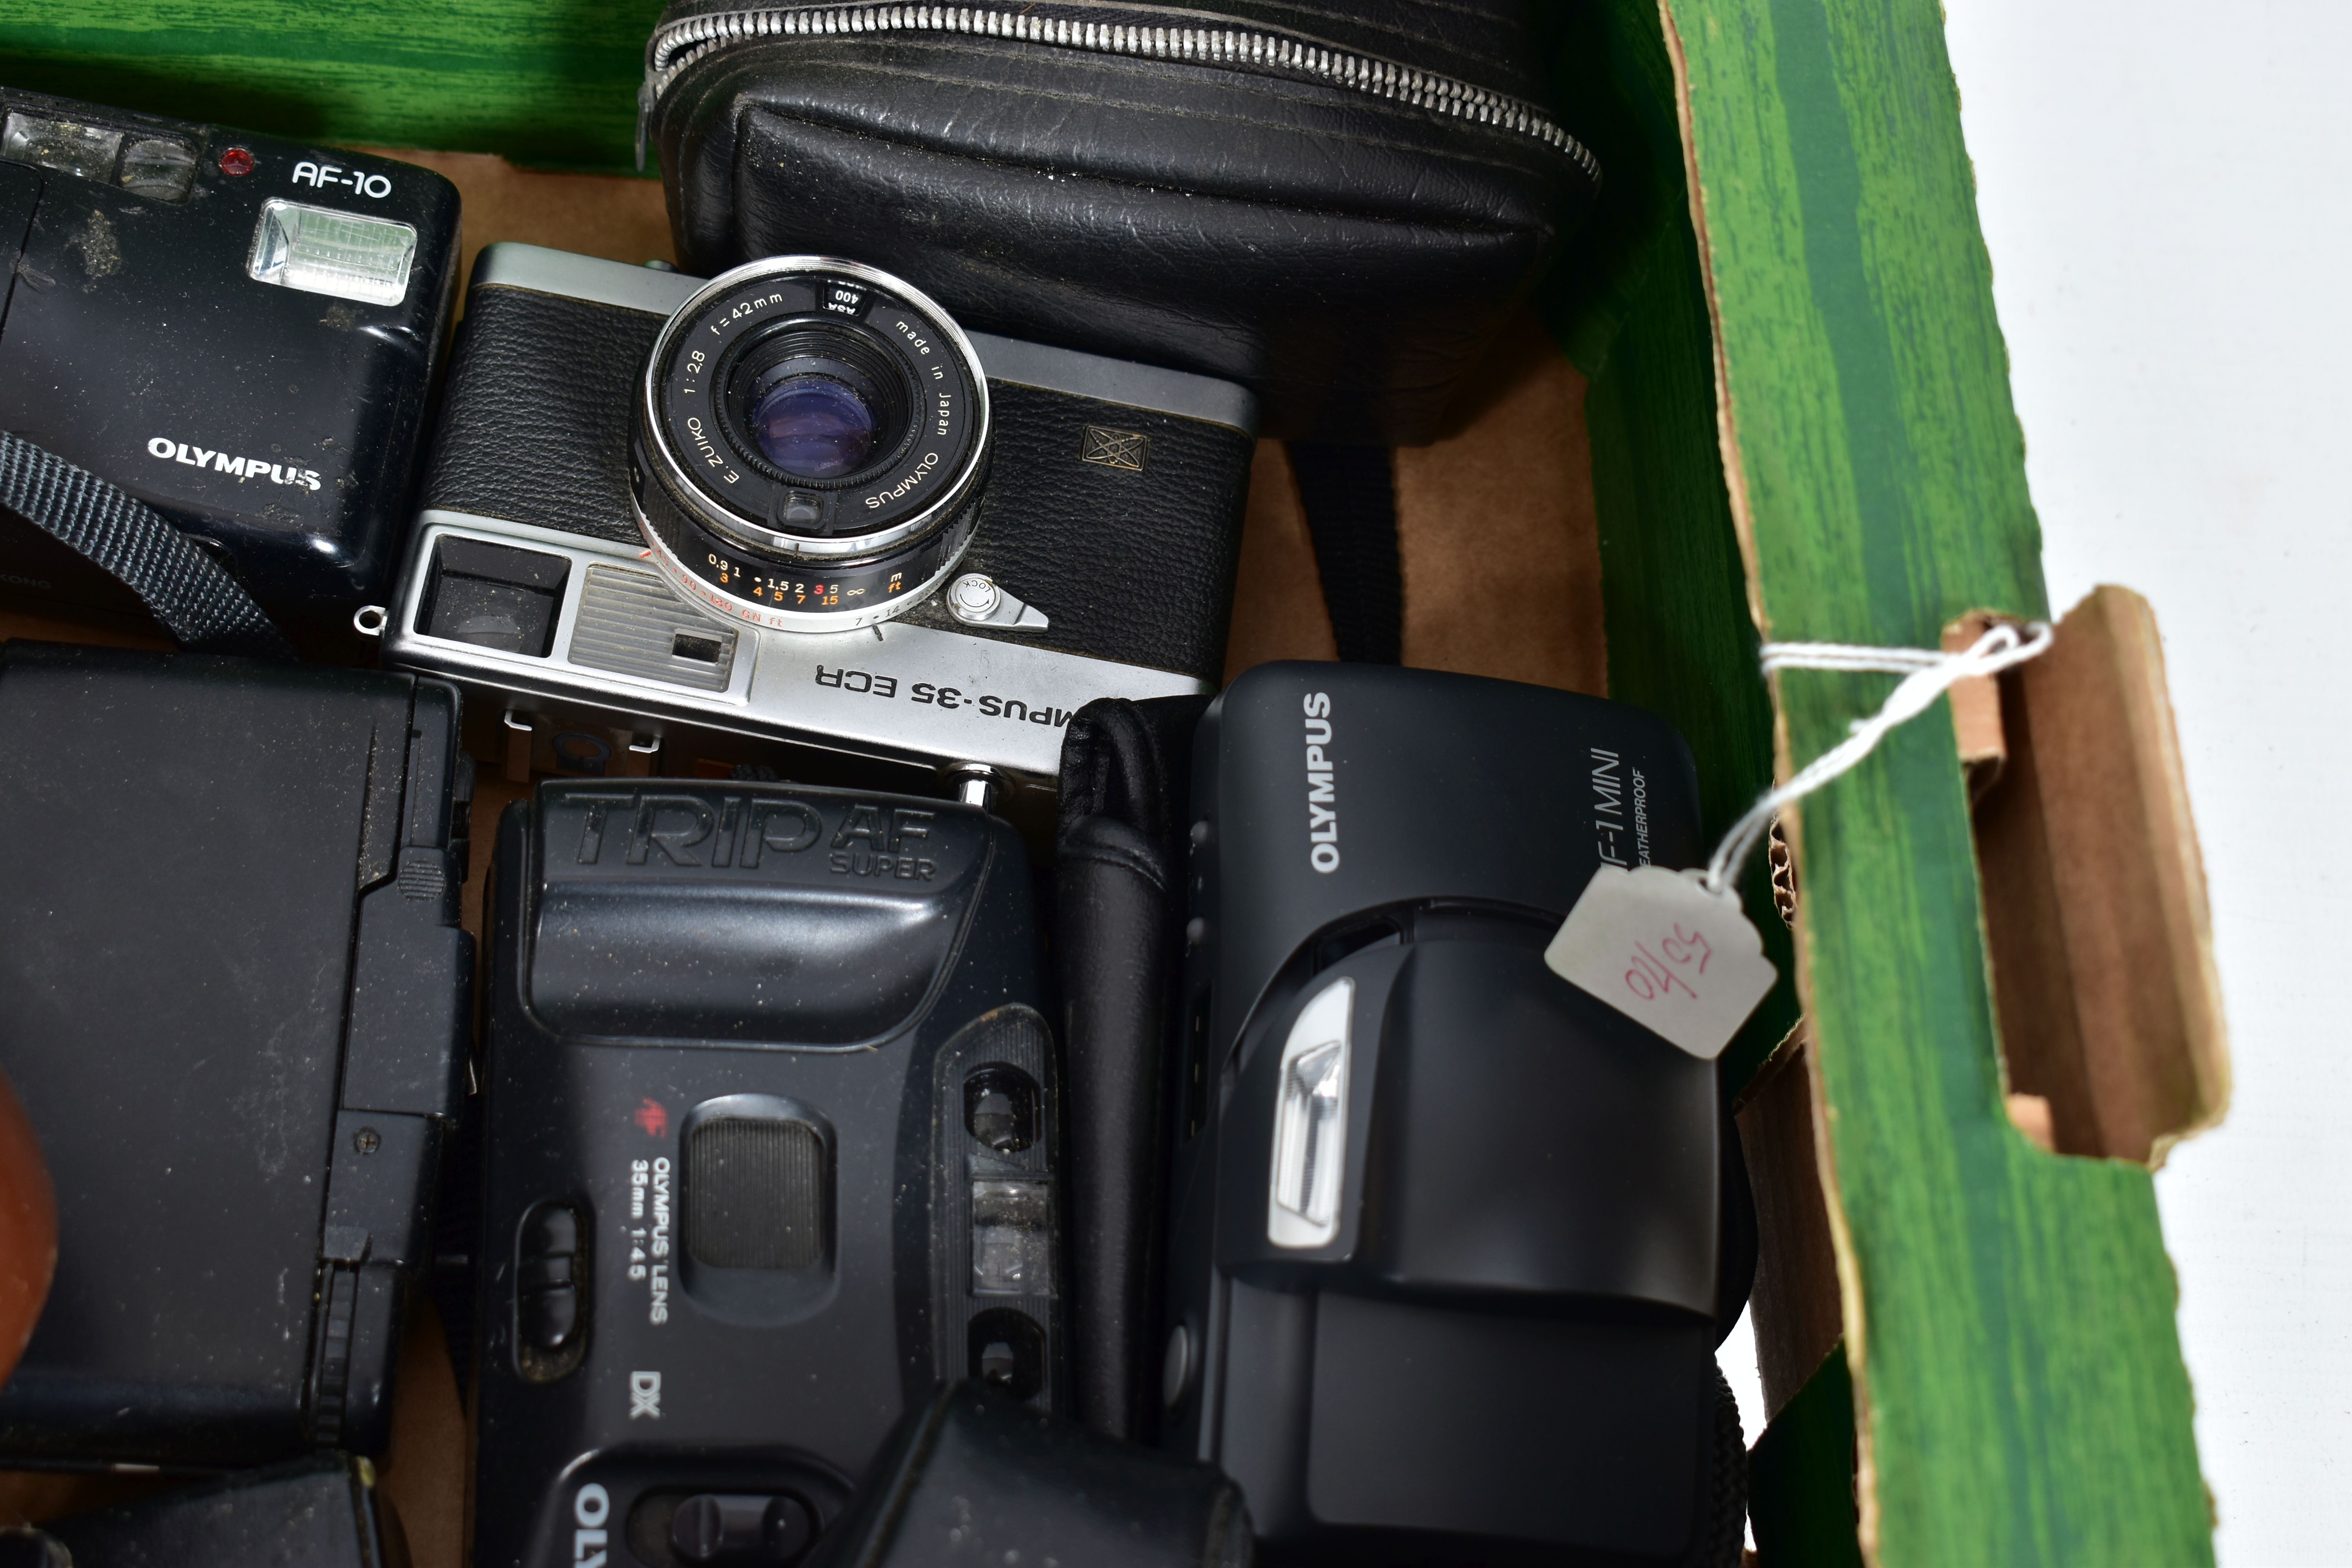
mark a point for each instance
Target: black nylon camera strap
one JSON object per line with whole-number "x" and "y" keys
{"x": 203, "y": 608}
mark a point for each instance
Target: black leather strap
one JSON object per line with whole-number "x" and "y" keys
{"x": 202, "y": 606}
{"x": 1118, "y": 762}
{"x": 1350, "y": 496}
{"x": 1118, "y": 899}
{"x": 1111, "y": 904}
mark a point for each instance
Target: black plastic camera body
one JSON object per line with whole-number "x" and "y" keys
{"x": 770, "y": 1150}
{"x": 241, "y": 1033}
{"x": 240, "y": 330}
{"x": 1445, "y": 1272}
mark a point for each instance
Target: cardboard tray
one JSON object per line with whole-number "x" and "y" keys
{"x": 1779, "y": 407}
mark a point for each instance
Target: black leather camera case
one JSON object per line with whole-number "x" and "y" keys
{"x": 1335, "y": 206}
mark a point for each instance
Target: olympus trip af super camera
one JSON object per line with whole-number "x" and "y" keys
{"x": 771, "y": 1150}
{"x": 796, "y": 507}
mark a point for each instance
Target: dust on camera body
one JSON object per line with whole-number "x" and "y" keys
{"x": 239, "y": 331}
{"x": 770, "y": 1148}
{"x": 796, "y": 514}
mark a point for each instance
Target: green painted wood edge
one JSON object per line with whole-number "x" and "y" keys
{"x": 2018, "y": 1377}
{"x": 1800, "y": 1477}
{"x": 1628, "y": 307}
{"x": 546, "y": 82}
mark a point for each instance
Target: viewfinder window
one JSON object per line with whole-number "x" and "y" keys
{"x": 66, "y": 146}
{"x": 494, "y": 596}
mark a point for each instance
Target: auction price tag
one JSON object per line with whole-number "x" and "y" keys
{"x": 1661, "y": 949}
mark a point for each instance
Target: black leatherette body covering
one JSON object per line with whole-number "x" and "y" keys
{"x": 1133, "y": 567}
{"x": 1345, "y": 254}
{"x": 535, "y": 415}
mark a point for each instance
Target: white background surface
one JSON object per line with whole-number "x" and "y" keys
{"x": 2167, "y": 192}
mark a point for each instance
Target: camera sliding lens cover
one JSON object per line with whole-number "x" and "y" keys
{"x": 810, "y": 437}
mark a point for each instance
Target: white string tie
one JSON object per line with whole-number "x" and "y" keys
{"x": 1927, "y": 674}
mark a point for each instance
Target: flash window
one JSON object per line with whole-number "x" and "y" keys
{"x": 318, "y": 250}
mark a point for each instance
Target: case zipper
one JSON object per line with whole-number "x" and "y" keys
{"x": 677, "y": 45}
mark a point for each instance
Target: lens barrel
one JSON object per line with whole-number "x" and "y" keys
{"x": 808, "y": 446}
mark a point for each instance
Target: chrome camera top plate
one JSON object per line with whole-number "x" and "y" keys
{"x": 626, "y": 652}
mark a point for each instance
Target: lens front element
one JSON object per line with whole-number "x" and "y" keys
{"x": 810, "y": 440}
{"x": 813, "y": 426}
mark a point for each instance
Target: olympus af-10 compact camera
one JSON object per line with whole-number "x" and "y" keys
{"x": 797, "y": 507}
{"x": 238, "y": 330}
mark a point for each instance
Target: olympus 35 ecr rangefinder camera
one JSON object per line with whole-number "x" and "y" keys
{"x": 798, "y": 505}
{"x": 239, "y": 331}
{"x": 770, "y": 1150}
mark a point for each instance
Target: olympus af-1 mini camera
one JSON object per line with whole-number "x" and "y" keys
{"x": 1454, "y": 1242}
{"x": 772, "y": 1148}
{"x": 796, "y": 506}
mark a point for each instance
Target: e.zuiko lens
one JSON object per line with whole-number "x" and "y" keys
{"x": 809, "y": 440}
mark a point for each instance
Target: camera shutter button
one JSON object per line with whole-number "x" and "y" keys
{"x": 977, "y": 600}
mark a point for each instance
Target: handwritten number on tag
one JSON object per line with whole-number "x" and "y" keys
{"x": 1657, "y": 946}
{"x": 1683, "y": 945}
{"x": 1648, "y": 977}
